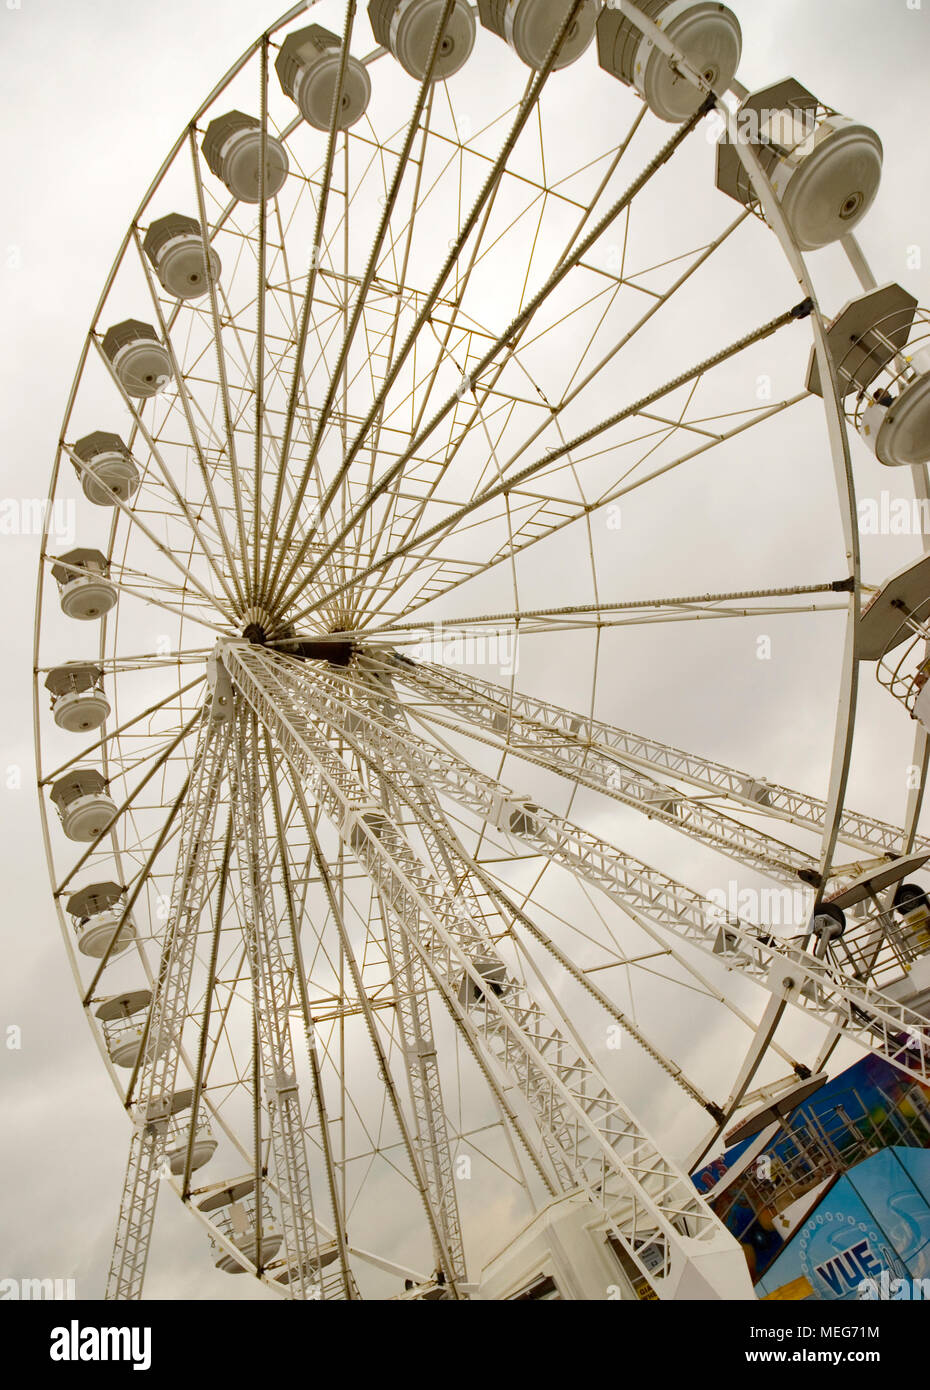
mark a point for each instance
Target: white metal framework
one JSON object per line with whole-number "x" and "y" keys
{"x": 351, "y": 914}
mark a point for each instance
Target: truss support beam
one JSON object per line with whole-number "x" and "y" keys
{"x": 636, "y": 1191}
{"x": 408, "y": 1138}
{"x": 533, "y": 731}
{"x": 590, "y": 746}
{"x": 153, "y": 1078}
{"x": 312, "y": 1276}
{"x": 450, "y": 862}
{"x": 865, "y": 1014}
{"x": 450, "y": 856}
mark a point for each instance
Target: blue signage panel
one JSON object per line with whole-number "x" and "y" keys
{"x": 874, "y": 1222}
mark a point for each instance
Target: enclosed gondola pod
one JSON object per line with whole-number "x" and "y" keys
{"x": 530, "y": 28}
{"x": 123, "y": 1017}
{"x": 174, "y": 245}
{"x": 100, "y": 922}
{"x": 78, "y": 699}
{"x": 233, "y": 1208}
{"x": 140, "y": 362}
{"x": 329, "y": 1254}
{"x": 83, "y": 803}
{"x": 894, "y": 631}
{"x": 308, "y": 70}
{"x": 825, "y": 169}
{"x": 177, "y": 1135}
{"x": 407, "y": 28}
{"x": 880, "y": 345}
{"x": 885, "y": 936}
{"x": 84, "y": 585}
{"x": 106, "y": 468}
{"x": 232, "y": 148}
{"x": 707, "y": 34}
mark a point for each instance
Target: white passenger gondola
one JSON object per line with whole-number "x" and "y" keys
{"x": 123, "y": 1018}
{"x": 232, "y": 148}
{"x": 530, "y": 27}
{"x": 177, "y": 1135}
{"x": 308, "y": 69}
{"x": 83, "y": 803}
{"x": 880, "y": 345}
{"x": 234, "y": 1206}
{"x": 97, "y": 913}
{"x": 174, "y": 245}
{"x": 889, "y": 943}
{"x": 825, "y": 169}
{"x": 140, "y": 361}
{"x": 407, "y": 27}
{"x": 708, "y": 35}
{"x": 78, "y": 699}
{"x": 894, "y": 631}
{"x": 913, "y": 907}
{"x": 106, "y": 467}
{"x": 84, "y": 585}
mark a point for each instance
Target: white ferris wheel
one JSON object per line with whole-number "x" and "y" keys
{"x": 418, "y": 300}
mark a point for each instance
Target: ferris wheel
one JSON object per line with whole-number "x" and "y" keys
{"x": 417, "y": 301}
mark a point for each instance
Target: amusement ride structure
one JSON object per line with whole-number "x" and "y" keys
{"x": 414, "y": 294}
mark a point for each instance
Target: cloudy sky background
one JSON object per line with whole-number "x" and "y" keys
{"x": 94, "y": 96}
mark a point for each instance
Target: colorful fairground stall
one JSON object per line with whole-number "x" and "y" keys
{"x": 828, "y": 1191}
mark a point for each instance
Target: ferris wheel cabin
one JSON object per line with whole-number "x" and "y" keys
{"x": 141, "y": 364}
{"x": 308, "y": 69}
{"x": 83, "y": 803}
{"x": 233, "y": 1206}
{"x": 825, "y": 169}
{"x": 177, "y": 1135}
{"x": 84, "y": 586}
{"x": 232, "y": 148}
{"x": 174, "y": 245}
{"x": 105, "y": 467}
{"x": 530, "y": 28}
{"x": 894, "y": 630}
{"x": 708, "y": 35}
{"x": 78, "y": 700}
{"x": 406, "y": 29}
{"x": 100, "y": 923}
{"x": 879, "y": 926}
{"x": 123, "y": 1017}
{"x": 880, "y": 346}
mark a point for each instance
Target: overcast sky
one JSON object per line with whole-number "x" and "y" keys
{"x": 94, "y": 95}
